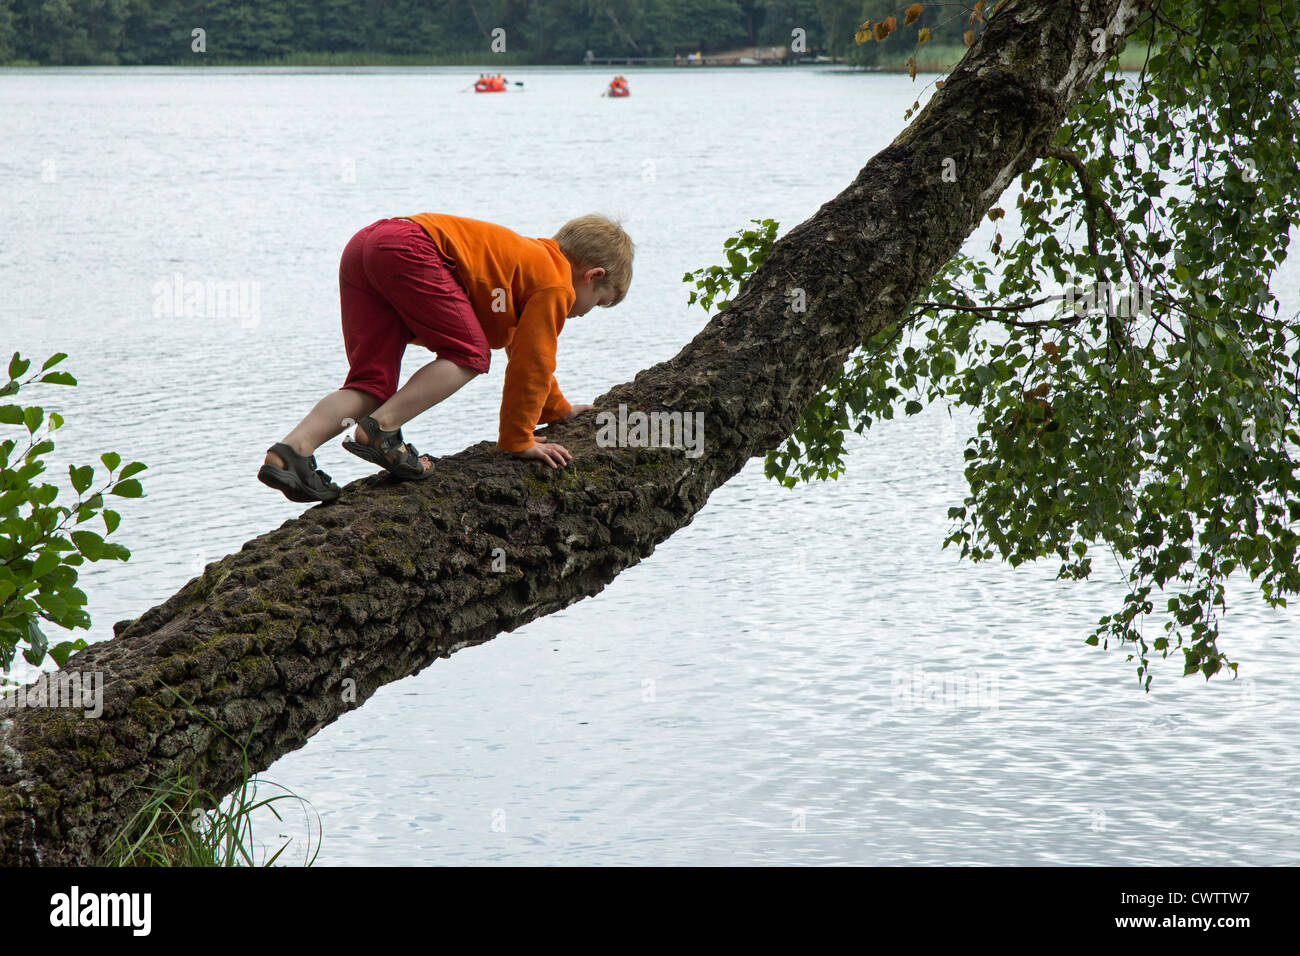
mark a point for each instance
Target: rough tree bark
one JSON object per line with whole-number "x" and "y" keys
{"x": 377, "y": 585}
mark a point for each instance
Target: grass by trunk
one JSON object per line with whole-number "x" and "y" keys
{"x": 182, "y": 824}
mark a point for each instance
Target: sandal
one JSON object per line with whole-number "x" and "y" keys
{"x": 300, "y": 480}
{"x": 388, "y": 450}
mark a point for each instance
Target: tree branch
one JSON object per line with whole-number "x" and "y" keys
{"x": 304, "y": 623}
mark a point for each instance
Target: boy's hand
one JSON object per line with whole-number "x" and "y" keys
{"x": 554, "y": 455}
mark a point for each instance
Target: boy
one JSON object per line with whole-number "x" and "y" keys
{"x": 459, "y": 287}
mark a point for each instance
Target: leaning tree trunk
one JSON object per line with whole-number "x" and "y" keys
{"x": 306, "y": 622}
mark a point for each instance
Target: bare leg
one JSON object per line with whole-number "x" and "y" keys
{"x": 426, "y": 388}
{"x": 326, "y": 420}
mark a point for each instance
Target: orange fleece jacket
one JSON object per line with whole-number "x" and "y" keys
{"x": 521, "y": 290}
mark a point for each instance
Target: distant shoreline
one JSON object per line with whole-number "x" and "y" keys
{"x": 930, "y": 59}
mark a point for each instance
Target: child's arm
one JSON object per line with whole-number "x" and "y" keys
{"x": 557, "y": 406}
{"x": 531, "y": 394}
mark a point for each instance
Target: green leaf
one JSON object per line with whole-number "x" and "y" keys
{"x": 17, "y": 365}
{"x": 54, "y": 360}
{"x": 45, "y": 562}
{"x": 58, "y": 378}
{"x": 114, "y": 552}
{"x": 64, "y": 649}
{"x": 134, "y": 468}
{"x": 111, "y": 520}
{"x": 33, "y": 415}
{"x": 11, "y": 415}
{"x": 111, "y": 460}
{"x": 88, "y": 543}
{"x": 130, "y": 488}
{"x": 37, "y": 643}
{"x": 82, "y": 477}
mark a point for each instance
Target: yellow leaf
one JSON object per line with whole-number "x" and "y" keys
{"x": 863, "y": 34}
{"x": 911, "y": 68}
{"x": 996, "y": 6}
{"x": 968, "y": 37}
{"x": 979, "y": 10}
{"x": 885, "y": 27}
{"x": 922, "y": 35}
{"x": 938, "y": 84}
{"x": 911, "y": 14}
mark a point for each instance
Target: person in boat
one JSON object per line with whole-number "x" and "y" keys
{"x": 458, "y": 287}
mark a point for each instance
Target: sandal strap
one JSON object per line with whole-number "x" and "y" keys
{"x": 304, "y": 467}
{"x": 391, "y": 444}
{"x": 284, "y": 451}
{"x": 292, "y": 459}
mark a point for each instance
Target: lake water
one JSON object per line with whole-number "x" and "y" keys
{"x": 797, "y": 677}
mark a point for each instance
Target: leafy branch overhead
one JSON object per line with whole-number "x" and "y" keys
{"x": 42, "y": 544}
{"x": 1135, "y": 384}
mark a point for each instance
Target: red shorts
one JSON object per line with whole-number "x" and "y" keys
{"x": 395, "y": 285}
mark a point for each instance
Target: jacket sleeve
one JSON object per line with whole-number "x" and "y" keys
{"x": 556, "y": 407}
{"x": 531, "y": 394}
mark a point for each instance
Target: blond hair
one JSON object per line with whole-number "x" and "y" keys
{"x": 596, "y": 241}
